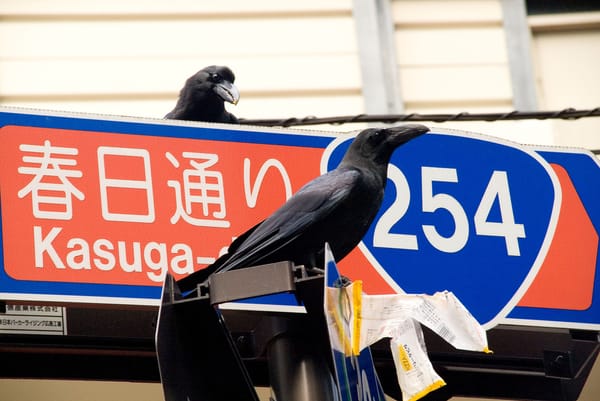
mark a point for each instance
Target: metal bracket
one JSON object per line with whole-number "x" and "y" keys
{"x": 234, "y": 285}
{"x": 559, "y": 364}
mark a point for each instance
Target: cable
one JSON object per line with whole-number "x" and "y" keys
{"x": 565, "y": 114}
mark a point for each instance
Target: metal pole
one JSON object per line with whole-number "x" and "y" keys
{"x": 518, "y": 44}
{"x": 298, "y": 370}
{"x": 377, "y": 53}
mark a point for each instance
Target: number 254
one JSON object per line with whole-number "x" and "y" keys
{"x": 497, "y": 187}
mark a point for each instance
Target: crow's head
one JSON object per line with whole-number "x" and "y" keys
{"x": 377, "y": 144}
{"x": 214, "y": 80}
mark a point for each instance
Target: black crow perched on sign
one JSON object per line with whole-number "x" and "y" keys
{"x": 337, "y": 207}
{"x": 203, "y": 95}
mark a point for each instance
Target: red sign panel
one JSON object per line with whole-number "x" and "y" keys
{"x": 109, "y": 208}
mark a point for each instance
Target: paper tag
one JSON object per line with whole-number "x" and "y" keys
{"x": 361, "y": 320}
{"x": 415, "y": 373}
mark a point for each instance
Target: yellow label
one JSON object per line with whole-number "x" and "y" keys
{"x": 357, "y": 315}
{"x": 404, "y": 359}
{"x": 429, "y": 389}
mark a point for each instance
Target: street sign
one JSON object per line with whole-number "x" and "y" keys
{"x": 99, "y": 210}
{"x": 478, "y": 226}
{"x": 481, "y": 217}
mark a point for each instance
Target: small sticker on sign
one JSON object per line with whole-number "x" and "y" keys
{"x": 33, "y": 319}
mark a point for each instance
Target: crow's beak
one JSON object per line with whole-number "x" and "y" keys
{"x": 404, "y": 133}
{"x": 227, "y": 91}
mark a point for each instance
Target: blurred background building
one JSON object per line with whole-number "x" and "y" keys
{"x": 308, "y": 58}
{"x": 312, "y": 58}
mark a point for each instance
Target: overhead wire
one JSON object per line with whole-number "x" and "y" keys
{"x": 564, "y": 114}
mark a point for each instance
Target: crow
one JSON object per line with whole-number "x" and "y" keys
{"x": 203, "y": 95}
{"x": 337, "y": 207}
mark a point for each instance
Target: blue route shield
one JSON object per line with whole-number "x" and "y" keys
{"x": 478, "y": 226}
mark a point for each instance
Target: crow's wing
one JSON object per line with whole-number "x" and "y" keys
{"x": 189, "y": 282}
{"x": 302, "y": 212}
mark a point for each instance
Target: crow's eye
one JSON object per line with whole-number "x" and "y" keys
{"x": 215, "y": 77}
{"x": 377, "y": 136}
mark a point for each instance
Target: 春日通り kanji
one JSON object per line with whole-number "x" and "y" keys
{"x": 202, "y": 187}
{"x": 51, "y": 190}
{"x": 141, "y": 183}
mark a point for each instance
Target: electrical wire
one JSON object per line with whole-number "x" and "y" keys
{"x": 564, "y": 114}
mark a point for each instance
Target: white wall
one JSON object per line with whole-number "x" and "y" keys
{"x": 132, "y": 57}
{"x": 567, "y": 57}
{"x": 451, "y": 58}
{"x": 292, "y": 59}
